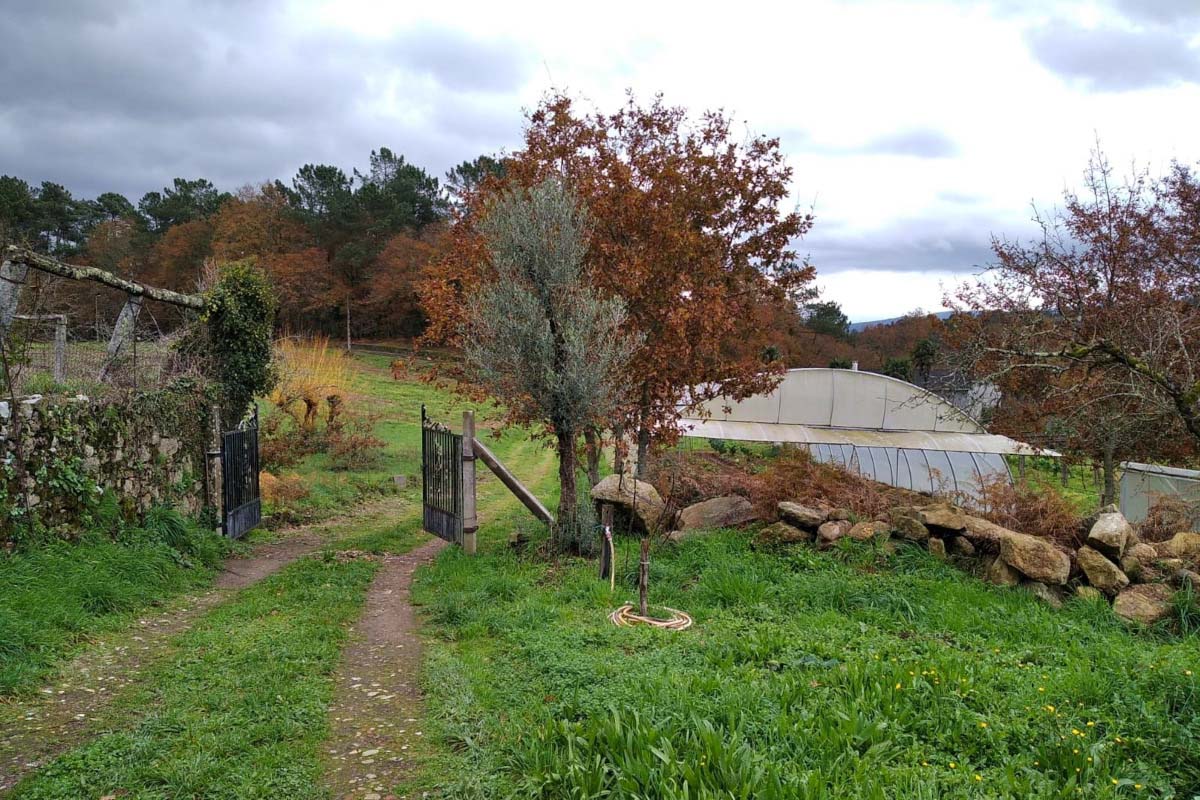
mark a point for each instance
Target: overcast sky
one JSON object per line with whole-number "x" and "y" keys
{"x": 916, "y": 130}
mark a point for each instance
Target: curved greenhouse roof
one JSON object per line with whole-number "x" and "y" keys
{"x": 885, "y": 428}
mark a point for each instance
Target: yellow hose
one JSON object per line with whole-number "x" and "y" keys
{"x": 624, "y": 617}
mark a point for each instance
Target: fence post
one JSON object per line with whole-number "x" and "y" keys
{"x": 606, "y": 541}
{"x": 215, "y": 486}
{"x": 60, "y": 348}
{"x": 470, "y": 522}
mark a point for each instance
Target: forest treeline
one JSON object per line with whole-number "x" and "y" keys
{"x": 346, "y": 251}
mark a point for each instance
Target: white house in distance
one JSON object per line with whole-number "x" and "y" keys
{"x": 884, "y": 428}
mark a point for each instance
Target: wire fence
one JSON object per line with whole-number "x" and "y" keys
{"x": 71, "y": 338}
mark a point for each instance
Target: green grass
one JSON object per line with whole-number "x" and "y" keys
{"x": 1081, "y": 488}
{"x": 240, "y": 710}
{"x": 56, "y": 596}
{"x": 848, "y": 674}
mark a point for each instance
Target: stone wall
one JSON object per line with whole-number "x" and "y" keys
{"x": 61, "y": 459}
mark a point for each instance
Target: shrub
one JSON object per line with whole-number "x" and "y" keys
{"x": 240, "y": 318}
{"x": 310, "y": 373}
{"x": 1036, "y": 510}
{"x": 282, "y": 490}
{"x": 1167, "y": 515}
{"x": 352, "y": 445}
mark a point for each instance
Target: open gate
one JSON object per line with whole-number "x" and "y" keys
{"x": 241, "y": 502}
{"x": 441, "y": 480}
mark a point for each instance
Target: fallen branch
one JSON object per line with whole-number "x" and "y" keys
{"x": 23, "y": 256}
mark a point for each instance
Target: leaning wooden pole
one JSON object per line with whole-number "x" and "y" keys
{"x": 24, "y": 257}
{"x": 510, "y": 481}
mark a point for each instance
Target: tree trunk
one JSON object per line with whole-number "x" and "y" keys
{"x": 591, "y": 437}
{"x": 643, "y": 451}
{"x": 1110, "y": 477}
{"x": 568, "y": 534}
{"x": 619, "y": 449}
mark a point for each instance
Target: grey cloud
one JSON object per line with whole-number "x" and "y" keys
{"x": 941, "y": 243}
{"x": 922, "y": 143}
{"x": 917, "y": 142}
{"x": 1112, "y": 59}
{"x": 124, "y": 96}
{"x": 1160, "y": 11}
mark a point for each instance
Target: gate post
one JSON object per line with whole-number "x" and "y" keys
{"x": 214, "y": 489}
{"x": 470, "y": 523}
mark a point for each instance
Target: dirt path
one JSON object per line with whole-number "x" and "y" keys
{"x": 35, "y": 730}
{"x": 376, "y": 711}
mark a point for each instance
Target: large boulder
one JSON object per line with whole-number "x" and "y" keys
{"x": 1036, "y": 559}
{"x": 639, "y": 499}
{"x": 1184, "y": 545}
{"x": 1000, "y": 573}
{"x": 943, "y": 516}
{"x": 831, "y": 531}
{"x": 1109, "y": 534}
{"x": 801, "y": 516}
{"x": 961, "y": 546}
{"x": 719, "y": 512}
{"x": 1101, "y": 573}
{"x": 983, "y": 534}
{"x": 907, "y": 526}
{"x": 1146, "y": 603}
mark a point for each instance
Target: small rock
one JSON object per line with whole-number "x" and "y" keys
{"x": 1146, "y": 603}
{"x": 1137, "y": 559}
{"x": 942, "y": 515}
{"x": 1046, "y": 594}
{"x": 840, "y": 514}
{"x": 801, "y": 516}
{"x": 1110, "y": 534}
{"x": 1182, "y": 545}
{"x": 866, "y": 531}
{"x": 830, "y": 532}
{"x": 937, "y": 548}
{"x": 1090, "y": 593}
{"x": 906, "y": 525}
{"x": 779, "y": 534}
{"x": 1001, "y": 574}
{"x": 719, "y": 512}
{"x": 1187, "y": 579}
{"x": 961, "y": 546}
{"x": 1101, "y": 573}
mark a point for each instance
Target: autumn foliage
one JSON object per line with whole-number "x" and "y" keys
{"x": 688, "y": 232}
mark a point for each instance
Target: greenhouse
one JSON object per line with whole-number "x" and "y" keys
{"x": 883, "y": 428}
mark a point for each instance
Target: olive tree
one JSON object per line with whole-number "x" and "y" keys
{"x": 540, "y": 337}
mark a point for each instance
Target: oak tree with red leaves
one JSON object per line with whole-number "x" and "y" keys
{"x": 1092, "y": 330}
{"x": 688, "y": 231}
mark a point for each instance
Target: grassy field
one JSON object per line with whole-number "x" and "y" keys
{"x": 851, "y": 673}
{"x": 848, "y": 674}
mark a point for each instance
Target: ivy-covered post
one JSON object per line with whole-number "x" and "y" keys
{"x": 240, "y": 317}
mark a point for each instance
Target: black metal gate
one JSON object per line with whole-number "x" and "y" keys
{"x": 241, "y": 504}
{"x": 441, "y": 480}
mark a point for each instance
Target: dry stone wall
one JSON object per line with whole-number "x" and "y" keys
{"x": 61, "y": 459}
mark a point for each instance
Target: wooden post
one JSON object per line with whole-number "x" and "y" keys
{"x": 12, "y": 279}
{"x": 215, "y": 488}
{"x": 644, "y": 577}
{"x": 470, "y": 521}
{"x": 60, "y": 348}
{"x": 122, "y": 331}
{"x": 1021, "y": 467}
{"x": 510, "y": 481}
{"x": 606, "y": 525}
{"x": 1064, "y": 472}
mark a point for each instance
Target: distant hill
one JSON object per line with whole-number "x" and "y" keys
{"x": 855, "y": 327}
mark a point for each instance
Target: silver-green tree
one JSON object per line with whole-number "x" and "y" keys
{"x": 540, "y": 338}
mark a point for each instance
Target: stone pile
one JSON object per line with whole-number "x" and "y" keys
{"x": 1138, "y": 578}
